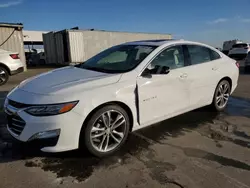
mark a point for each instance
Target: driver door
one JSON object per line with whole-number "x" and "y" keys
{"x": 163, "y": 86}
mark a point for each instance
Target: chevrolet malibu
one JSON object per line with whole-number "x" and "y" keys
{"x": 122, "y": 89}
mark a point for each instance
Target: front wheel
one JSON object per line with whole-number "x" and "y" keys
{"x": 107, "y": 130}
{"x": 221, "y": 95}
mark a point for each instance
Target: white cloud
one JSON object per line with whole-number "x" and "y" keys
{"x": 11, "y": 3}
{"x": 219, "y": 20}
{"x": 245, "y": 20}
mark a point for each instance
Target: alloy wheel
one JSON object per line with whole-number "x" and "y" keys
{"x": 3, "y": 76}
{"x": 108, "y": 131}
{"x": 223, "y": 94}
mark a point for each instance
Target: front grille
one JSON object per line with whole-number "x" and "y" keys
{"x": 17, "y": 104}
{"x": 16, "y": 124}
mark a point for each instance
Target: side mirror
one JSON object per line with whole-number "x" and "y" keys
{"x": 165, "y": 70}
{"x": 146, "y": 73}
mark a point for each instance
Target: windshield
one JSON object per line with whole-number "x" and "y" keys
{"x": 118, "y": 59}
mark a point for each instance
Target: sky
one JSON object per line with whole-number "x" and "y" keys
{"x": 208, "y": 21}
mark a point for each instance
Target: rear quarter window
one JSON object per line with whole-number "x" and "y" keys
{"x": 214, "y": 55}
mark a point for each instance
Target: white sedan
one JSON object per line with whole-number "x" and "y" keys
{"x": 10, "y": 64}
{"x": 122, "y": 89}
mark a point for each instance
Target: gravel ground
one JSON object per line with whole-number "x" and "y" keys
{"x": 196, "y": 149}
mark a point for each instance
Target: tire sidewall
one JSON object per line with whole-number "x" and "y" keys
{"x": 92, "y": 120}
{"x": 215, "y": 94}
{"x": 7, "y": 76}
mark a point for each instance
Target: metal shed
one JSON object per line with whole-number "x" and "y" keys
{"x": 74, "y": 46}
{"x": 11, "y": 39}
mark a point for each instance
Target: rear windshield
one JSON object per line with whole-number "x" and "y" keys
{"x": 238, "y": 57}
{"x": 241, "y": 45}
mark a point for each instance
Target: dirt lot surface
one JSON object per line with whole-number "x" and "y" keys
{"x": 197, "y": 149}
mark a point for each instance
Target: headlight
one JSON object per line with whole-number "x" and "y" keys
{"x": 49, "y": 110}
{"x": 6, "y": 102}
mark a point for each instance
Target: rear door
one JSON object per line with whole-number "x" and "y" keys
{"x": 203, "y": 74}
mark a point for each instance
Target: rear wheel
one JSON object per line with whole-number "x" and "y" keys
{"x": 221, "y": 95}
{"x": 107, "y": 130}
{"x": 4, "y": 76}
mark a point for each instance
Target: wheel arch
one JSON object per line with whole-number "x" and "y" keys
{"x": 119, "y": 103}
{"x": 224, "y": 78}
{"x": 6, "y": 67}
{"x": 227, "y": 79}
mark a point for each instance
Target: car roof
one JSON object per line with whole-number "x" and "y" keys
{"x": 153, "y": 42}
{"x": 160, "y": 42}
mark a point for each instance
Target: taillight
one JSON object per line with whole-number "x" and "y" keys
{"x": 237, "y": 64}
{"x": 14, "y": 56}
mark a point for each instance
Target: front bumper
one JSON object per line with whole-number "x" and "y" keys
{"x": 68, "y": 124}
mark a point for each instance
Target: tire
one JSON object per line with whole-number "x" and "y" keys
{"x": 4, "y": 76}
{"x": 115, "y": 135}
{"x": 221, "y": 95}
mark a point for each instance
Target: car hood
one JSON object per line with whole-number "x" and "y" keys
{"x": 67, "y": 80}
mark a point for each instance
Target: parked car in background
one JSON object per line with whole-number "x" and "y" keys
{"x": 10, "y": 64}
{"x": 239, "y": 53}
{"x": 240, "y": 50}
{"x": 35, "y": 57}
{"x": 122, "y": 89}
{"x": 227, "y": 45}
{"x": 247, "y": 62}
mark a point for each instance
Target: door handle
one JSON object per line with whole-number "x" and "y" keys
{"x": 214, "y": 68}
{"x": 184, "y": 76}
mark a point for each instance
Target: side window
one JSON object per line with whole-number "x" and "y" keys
{"x": 214, "y": 55}
{"x": 198, "y": 54}
{"x": 171, "y": 58}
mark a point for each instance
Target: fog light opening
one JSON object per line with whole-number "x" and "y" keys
{"x": 45, "y": 134}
